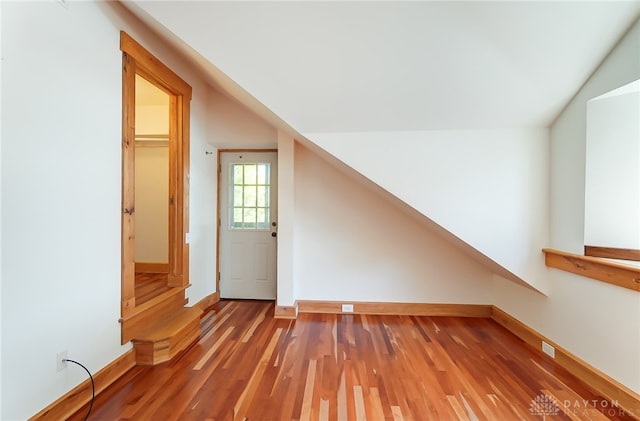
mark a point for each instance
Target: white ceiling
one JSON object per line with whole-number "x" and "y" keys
{"x": 368, "y": 66}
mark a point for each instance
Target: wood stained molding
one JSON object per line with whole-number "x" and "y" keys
{"x": 72, "y": 401}
{"x": 151, "y": 267}
{"x": 612, "y": 253}
{"x": 410, "y": 309}
{"x": 625, "y": 276}
{"x": 207, "y": 302}
{"x": 286, "y": 312}
{"x": 609, "y": 388}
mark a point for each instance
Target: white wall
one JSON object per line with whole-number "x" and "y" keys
{"x": 233, "y": 126}
{"x": 61, "y": 193}
{"x": 487, "y": 187}
{"x": 287, "y": 246}
{"x": 152, "y": 119}
{"x": 1, "y": 322}
{"x": 352, "y": 244}
{"x": 228, "y": 125}
{"x": 612, "y": 176}
{"x": 152, "y": 204}
{"x": 598, "y": 322}
{"x": 152, "y": 184}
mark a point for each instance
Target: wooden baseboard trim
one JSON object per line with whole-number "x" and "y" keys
{"x": 286, "y": 312}
{"x": 411, "y": 309}
{"x": 152, "y": 267}
{"x": 207, "y": 302}
{"x": 76, "y": 398}
{"x": 614, "y": 391}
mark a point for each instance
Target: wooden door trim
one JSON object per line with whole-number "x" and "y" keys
{"x": 137, "y": 60}
{"x": 218, "y": 216}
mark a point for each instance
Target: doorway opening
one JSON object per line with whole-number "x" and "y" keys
{"x": 152, "y": 222}
{"x": 248, "y": 224}
{"x": 144, "y": 150}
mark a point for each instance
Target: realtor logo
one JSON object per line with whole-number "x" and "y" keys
{"x": 544, "y": 405}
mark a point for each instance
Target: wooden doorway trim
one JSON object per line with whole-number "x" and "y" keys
{"x": 137, "y": 60}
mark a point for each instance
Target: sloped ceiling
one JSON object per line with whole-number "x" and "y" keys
{"x": 370, "y": 66}
{"x": 329, "y": 68}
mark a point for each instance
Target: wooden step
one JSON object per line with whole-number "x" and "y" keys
{"x": 162, "y": 307}
{"x": 166, "y": 338}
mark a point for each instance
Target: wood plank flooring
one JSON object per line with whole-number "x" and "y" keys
{"x": 150, "y": 285}
{"x": 249, "y": 366}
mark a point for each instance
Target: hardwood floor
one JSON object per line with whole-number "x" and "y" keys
{"x": 150, "y": 285}
{"x": 249, "y": 366}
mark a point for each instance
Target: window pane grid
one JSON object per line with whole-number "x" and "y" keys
{"x": 249, "y": 189}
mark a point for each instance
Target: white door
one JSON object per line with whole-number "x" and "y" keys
{"x": 248, "y": 225}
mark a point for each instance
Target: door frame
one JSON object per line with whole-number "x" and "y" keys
{"x": 218, "y": 211}
{"x": 137, "y": 60}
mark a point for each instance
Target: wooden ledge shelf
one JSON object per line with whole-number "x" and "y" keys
{"x": 612, "y": 253}
{"x": 625, "y": 276}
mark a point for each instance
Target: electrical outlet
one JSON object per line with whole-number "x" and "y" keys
{"x": 548, "y": 349}
{"x": 347, "y": 308}
{"x": 61, "y": 360}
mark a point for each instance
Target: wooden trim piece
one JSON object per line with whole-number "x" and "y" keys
{"x": 175, "y": 264}
{"x": 128, "y": 294}
{"x": 145, "y": 143}
{"x": 150, "y": 64}
{"x": 246, "y": 150}
{"x": 612, "y": 253}
{"x": 72, "y": 401}
{"x": 184, "y": 176}
{"x": 592, "y": 267}
{"x": 412, "y": 309}
{"x": 152, "y": 267}
{"x": 207, "y": 302}
{"x": 286, "y": 312}
{"x": 218, "y": 217}
{"x": 626, "y": 398}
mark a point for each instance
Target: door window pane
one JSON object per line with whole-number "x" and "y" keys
{"x": 250, "y": 174}
{"x": 249, "y": 189}
{"x": 263, "y": 198}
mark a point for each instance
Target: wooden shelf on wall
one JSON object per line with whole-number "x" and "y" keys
{"x": 612, "y": 253}
{"x": 625, "y": 276}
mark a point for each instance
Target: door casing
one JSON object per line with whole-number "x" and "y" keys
{"x": 137, "y": 60}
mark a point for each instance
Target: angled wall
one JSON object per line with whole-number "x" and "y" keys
{"x": 354, "y": 244}
{"x": 612, "y": 173}
{"x": 488, "y": 188}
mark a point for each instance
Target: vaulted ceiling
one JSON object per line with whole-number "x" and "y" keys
{"x": 394, "y": 66}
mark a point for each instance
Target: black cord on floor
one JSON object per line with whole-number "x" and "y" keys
{"x": 93, "y": 387}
